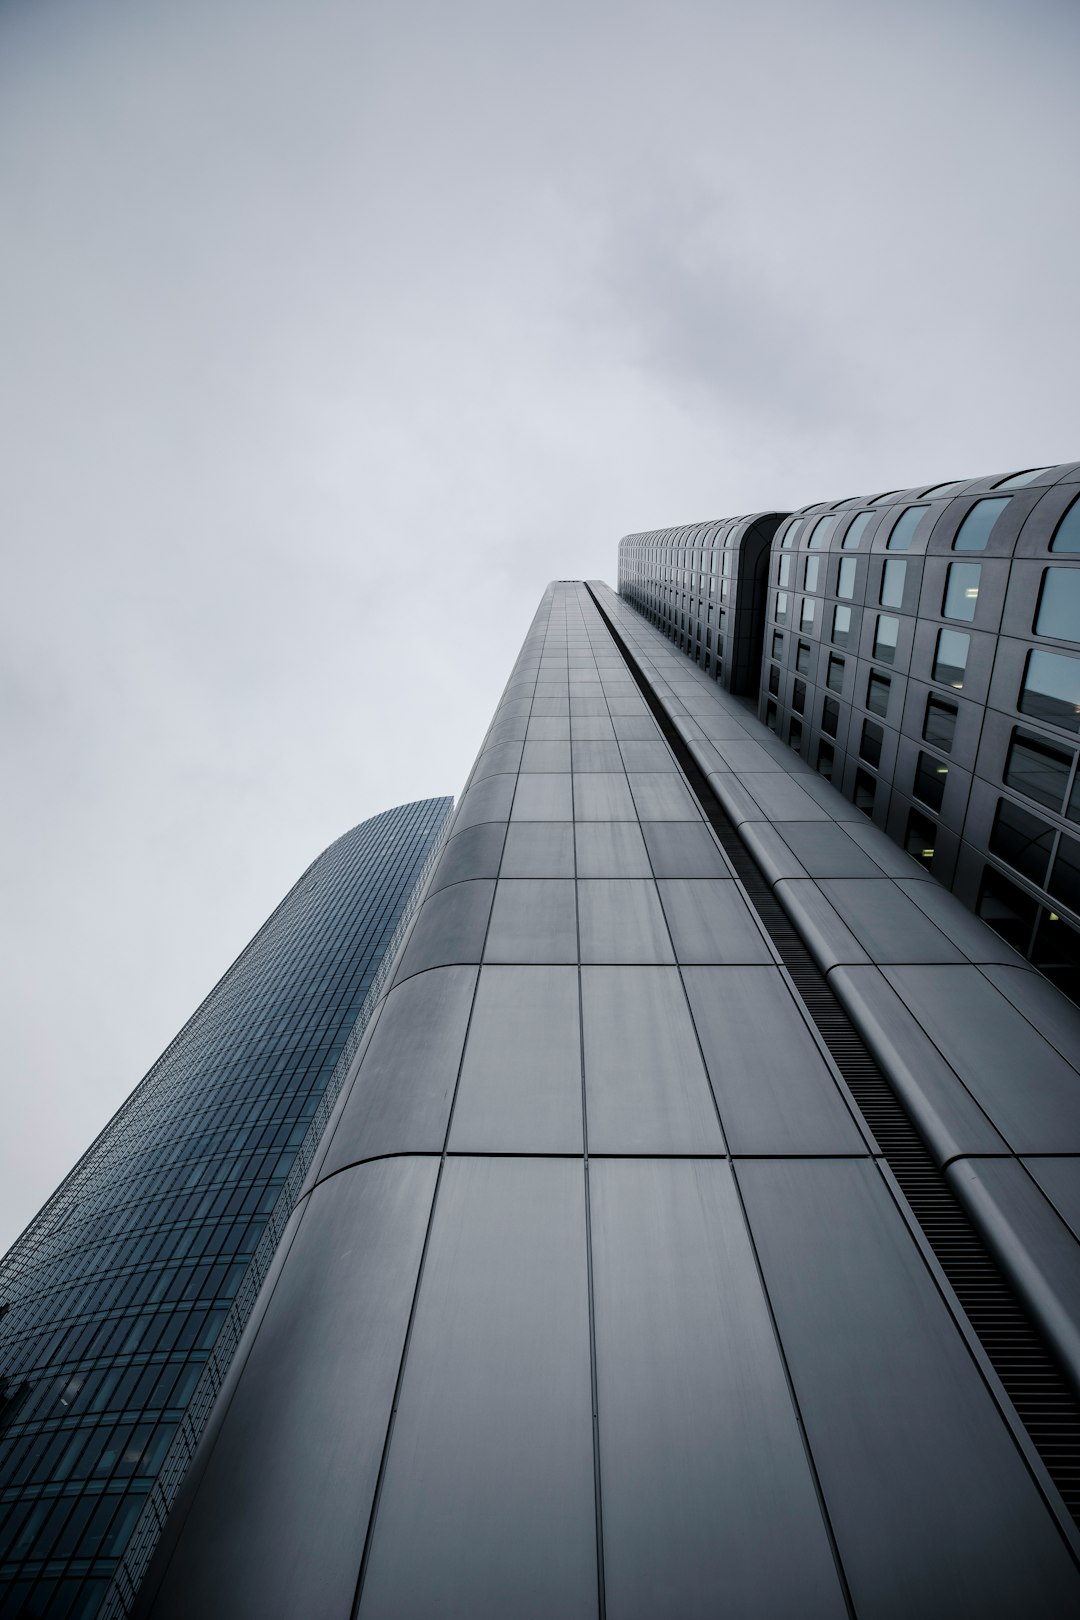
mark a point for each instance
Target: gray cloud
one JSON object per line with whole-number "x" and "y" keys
{"x": 331, "y": 333}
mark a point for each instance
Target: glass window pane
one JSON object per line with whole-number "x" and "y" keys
{"x": 1051, "y": 689}
{"x": 821, "y": 532}
{"x": 781, "y": 607}
{"x": 798, "y": 696}
{"x": 826, "y": 756}
{"x": 886, "y": 636}
{"x": 877, "y": 693}
{"x": 892, "y": 582}
{"x": 1038, "y": 769}
{"x": 855, "y": 532}
{"x": 845, "y": 578}
{"x": 939, "y": 727}
{"x": 777, "y": 645}
{"x": 961, "y": 590}
{"x": 865, "y": 788}
{"x": 830, "y": 716}
{"x": 784, "y": 575}
{"x": 792, "y": 533}
{"x": 810, "y": 573}
{"x": 1009, "y": 911}
{"x": 920, "y": 837}
{"x": 1056, "y": 953}
{"x": 1022, "y": 840}
{"x": 950, "y": 659}
{"x": 870, "y": 742}
{"x": 841, "y": 625}
{"x": 930, "y": 776}
{"x": 806, "y": 623}
{"x": 1059, "y": 604}
{"x": 1067, "y": 533}
{"x": 802, "y": 658}
{"x": 976, "y": 528}
{"x": 1018, "y": 480}
{"x": 904, "y": 528}
{"x": 834, "y": 675}
{"x": 1065, "y": 878}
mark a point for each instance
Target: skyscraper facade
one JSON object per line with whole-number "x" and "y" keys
{"x": 921, "y": 649}
{"x": 697, "y": 1229}
{"x": 123, "y": 1301}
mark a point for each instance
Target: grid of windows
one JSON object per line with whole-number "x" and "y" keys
{"x": 115, "y": 1296}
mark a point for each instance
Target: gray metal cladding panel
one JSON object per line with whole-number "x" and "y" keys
{"x": 747, "y": 756}
{"x": 1025, "y": 1086}
{"x": 520, "y": 1089}
{"x": 276, "y": 1528}
{"x": 775, "y": 1090}
{"x": 400, "y": 1100}
{"x": 500, "y": 759}
{"x": 646, "y": 1090}
{"x": 826, "y": 849}
{"x": 611, "y": 849}
{"x": 621, "y": 921}
{"x": 662, "y": 796}
{"x": 489, "y": 800}
{"x": 969, "y": 934}
{"x": 635, "y": 728}
{"x": 593, "y": 728}
{"x": 546, "y": 756}
{"x": 931, "y": 1503}
{"x": 597, "y": 756}
{"x": 1059, "y": 1179}
{"x": 603, "y": 796}
{"x": 544, "y": 797}
{"x": 549, "y": 728}
{"x": 828, "y": 939}
{"x": 711, "y": 922}
{"x": 474, "y": 853}
{"x": 781, "y": 797}
{"x": 487, "y": 1508}
{"x": 886, "y": 922}
{"x": 680, "y": 849}
{"x": 1033, "y": 1245}
{"x": 449, "y": 928}
{"x": 533, "y": 920}
{"x": 1056, "y": 1018}
{"x": 709, "y": 1502}
{"x": 648, "y": 756}
{"x": 539, "y": 849}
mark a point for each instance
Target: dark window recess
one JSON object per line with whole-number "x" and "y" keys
{"x": 1009, "y": 911}
{"x": 920, "y": 837}
{"x": 1064, "y": 882}
{"x": 830, "y": 716}
{"x": 798, "y": 696}
{"x": 777, "y": 644}
{"x": 1056, "y": 952}
{"x": 826, "y": 758}
{"x": 865, "y": 788}
{"x": 795, "y": 735}
{"x": 1038, "y": 769}
{"x": 1072, "y": 809}
{"x": 939, "y": 726}
{"x": 1051, "y": 689}
{"x": 774, "y": 680}
{"x": 770, "y": 715}
{"x": 1022, "y": 840}
{"x": 834, "y": 675}
{"x": 877, "y": 693}
{"x": 930, "y": 778}
{"x": 802, "y": 658}
{"x": 870, "y": 742}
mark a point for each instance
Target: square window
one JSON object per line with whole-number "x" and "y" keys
{"x": 886, "y": 636}
{"x": 826, "y": 759}
{"x": 834, "y": 675}
{"x": 930, "y": 777}
{"x": 830, "y": 716}
{"x": 845, "y": 577}
{"x": 1009, "y": 911}
{"x": 1038, "y": 769}
{"x": 870, "y": 742}
{"x": 1051, "y": 689}
{"x": 893, "y": 576}
{"x": 877, "y": 693}
{"x": 976, "y": 529}
{"x": 865, "y": 788}
{"x": 961, "y": 591}
{"x": 798, "y": 696}
{"x": 1059, "y": 604}
{"x": 811, "y": 569}
{"x": 951, "y": 656}
{"x": 841, "y": 625}
{"x": 920, "y": 837}
{"x": 802, "y": 658}
{"x": 939, "y": 726}
{"x": 1022, "y": 841}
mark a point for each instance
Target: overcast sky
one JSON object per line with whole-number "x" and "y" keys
{"x": 331, "y": 331}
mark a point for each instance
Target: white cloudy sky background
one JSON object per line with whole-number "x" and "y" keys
{"x": 329, "y": 332}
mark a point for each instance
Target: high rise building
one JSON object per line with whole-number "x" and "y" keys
{"x": 122, "y": 1303}
{"x": 922, "y": 651}
{"x": 697, "y": 1229}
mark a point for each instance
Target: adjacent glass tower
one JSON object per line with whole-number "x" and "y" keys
{"x": 123, "y": 1301}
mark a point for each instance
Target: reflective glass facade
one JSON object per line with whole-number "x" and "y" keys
{"x": 124, "y": 1299}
